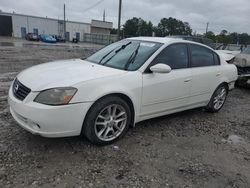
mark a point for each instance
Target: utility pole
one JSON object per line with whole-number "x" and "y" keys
{"x": 119, "y": 20}
{"x": 207, "y": 28}
{"x": 64, "y": 22}
{"x": 104, "y": 16}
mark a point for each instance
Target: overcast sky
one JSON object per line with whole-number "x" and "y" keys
{"x": 232, "y": 15}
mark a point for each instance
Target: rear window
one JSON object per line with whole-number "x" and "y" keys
{"x": 201, "y": 56}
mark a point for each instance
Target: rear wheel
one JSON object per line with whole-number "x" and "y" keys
{"x": 218, "y": 99}
{"x": 107, "y": 121}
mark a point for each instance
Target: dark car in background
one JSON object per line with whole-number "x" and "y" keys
{"x": 32, "y": 37}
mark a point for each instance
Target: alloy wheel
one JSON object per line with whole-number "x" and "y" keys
{"x": 110, "y": 122}
{"x": 220, "y": 98}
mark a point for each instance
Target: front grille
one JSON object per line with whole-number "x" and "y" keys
{"x": 20, "y": 91}
{"x": 243, "y": 70}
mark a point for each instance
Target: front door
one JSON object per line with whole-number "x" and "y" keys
{"x": 35, "y": 30}
{"x": 67, "y": 36}
{"x": 78, "y": 36}
{"x": 167, "y": 92}
{"x": 23, "y": 32}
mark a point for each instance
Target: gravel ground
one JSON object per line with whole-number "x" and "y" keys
{"x": 187, "y": 149}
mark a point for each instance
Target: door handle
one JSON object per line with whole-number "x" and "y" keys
{"x": 188, "y": 80}
{"x": 218, "y": 74}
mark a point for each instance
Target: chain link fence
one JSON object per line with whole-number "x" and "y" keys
{"x": 99, "y": 38}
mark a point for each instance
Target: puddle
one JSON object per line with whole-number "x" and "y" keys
{"x": 11, "y": 44}
{"x": 234, "y": 139}
{"x": 39, "y": 44}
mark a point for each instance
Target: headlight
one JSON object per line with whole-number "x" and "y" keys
{"x": 56, "y": 96}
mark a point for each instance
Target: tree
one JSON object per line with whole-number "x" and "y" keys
{"x": 244, "y": 38}
{"x": 114, "y": 31}
{"x": 172, "y": 26}
{"x": 210, "y": 35}
{"x": 223, "y": 32}
{"x": 137, "y": 27}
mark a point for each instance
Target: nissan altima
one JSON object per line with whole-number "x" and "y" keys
{"x": 126, "y": 82}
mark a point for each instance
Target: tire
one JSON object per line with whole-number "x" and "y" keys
{"x": 107, "y": 121}
{"x": 218, "y": 99}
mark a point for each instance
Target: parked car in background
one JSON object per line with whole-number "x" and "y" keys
{"x": 58, "y": 38}
{"x": 226, "y": 56}
{"x": 242, "y": 62}
{"x": 124, "y": 83}
{"x": 229, "y": 49}
{"x": 32, "y": 37}
{"x": 47, "y": 38}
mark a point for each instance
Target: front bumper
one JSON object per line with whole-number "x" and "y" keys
{"x": 45, "y": 120}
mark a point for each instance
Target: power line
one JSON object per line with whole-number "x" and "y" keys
{"x": 93, "y": 6}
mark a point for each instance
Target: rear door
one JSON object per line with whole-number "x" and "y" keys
{"x": 164, "y": 92}
{"x": 206, "y": 73}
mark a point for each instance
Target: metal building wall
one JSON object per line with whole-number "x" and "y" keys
{"x": 43, "y": 25}
{"x": 76, "y": 27}
{"x": 23, "y": 24}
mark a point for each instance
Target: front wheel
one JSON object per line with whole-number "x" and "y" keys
{"x": 218, "y": 99}
{"x": 107, "y": 121}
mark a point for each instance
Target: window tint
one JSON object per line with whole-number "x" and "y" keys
{"x": 216, "y": 59}
{"x": 201, "y": 56}
{"x": 176, "y": 56}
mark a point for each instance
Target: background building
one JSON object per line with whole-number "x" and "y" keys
{"x": 18, "y": 25}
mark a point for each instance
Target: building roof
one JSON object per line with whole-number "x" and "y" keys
{"x": 101, "y": 24}
{"x": 47, "y": 18}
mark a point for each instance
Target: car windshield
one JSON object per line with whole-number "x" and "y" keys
{"x": 246, "y": 51}
{"x": 126, "y": 54}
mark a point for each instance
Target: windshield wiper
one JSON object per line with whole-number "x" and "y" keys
{"x": 132, "y": 57}
{"x": 116, "y": 52}
{"x": 106, "y": 56}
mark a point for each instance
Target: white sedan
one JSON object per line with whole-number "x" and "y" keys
{"x": 126, "y": 82}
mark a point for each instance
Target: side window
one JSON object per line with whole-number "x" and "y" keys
{"x": 216, "y": 59}
{"x": 201, "y": 56}
{"x": 176, "y": 56}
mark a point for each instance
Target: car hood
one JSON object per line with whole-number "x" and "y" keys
{"x": 64, "y": 74}
{"x": 242, "y": 60}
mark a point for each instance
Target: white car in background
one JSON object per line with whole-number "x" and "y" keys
{"x": 242, "y": 62}
{"x": 229, "y": 49}
{"x": 124, "y": 83}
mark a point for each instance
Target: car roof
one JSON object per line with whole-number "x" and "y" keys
{"x": 167, "y": 40}
{"x": 164, "y": 40}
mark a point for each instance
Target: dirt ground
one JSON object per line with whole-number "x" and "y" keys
{"x": 187, "y": 149}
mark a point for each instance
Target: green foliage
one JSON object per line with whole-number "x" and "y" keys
{"x": 211, "y": 35}
{"x": 172, "y": 26}
{"x": 167, "y": 26}
{"x": 229, "y": 38}
{"x": 138, "y": 27}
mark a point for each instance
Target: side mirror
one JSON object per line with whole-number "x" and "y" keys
{"x": 161, "y": 68}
